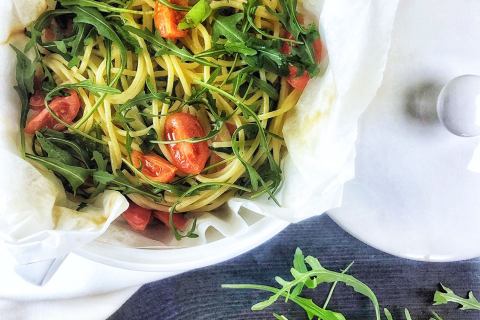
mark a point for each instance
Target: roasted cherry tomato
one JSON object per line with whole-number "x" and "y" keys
{"x": 186, "y": 156}
{"x": 37, "y": 100}
{"x": 297, "y": 81}
{"x": 178, "y": 220}
{"x": 137, "y": 217}
{"x": 286, "y": 47}
{"x": 167, "y": 20}
{"x": 66, "y": 108}
{"x": 154, "y": 167}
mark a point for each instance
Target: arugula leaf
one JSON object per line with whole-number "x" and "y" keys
{"x": 55, "y": 152}
{"x": 100, "y": 5}
{"x": 130, "y": 42}
{"x": 77, "y": 45}
{"x": 387, "y": 313}
{"x": 197, "y": 14}
{"x": 79, "y": 152}
{"x": 250, "y": 10}
{"x": 269, "y": 56}
{"x": 168, "y": 45}
{"x": 266, "y": 87}
{"x": 226, "y": 26}
{"x": 76, "y": 176}
{"x": 469, "y": 303}
{"x": 61, "y": 46}
{"x": 94, "y": 18}
{"x": 239, "y": 47}
{"x": 121, "y": 183}
{"x": 215, "y": 51}
{"x": 85, "y": 84}
{"x": 290, "y": 18}
{"x": 25, "y": 71}
{"x": 307, "y": 304}
{"x": 102, "y": 167}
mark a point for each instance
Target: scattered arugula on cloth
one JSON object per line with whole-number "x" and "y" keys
{"x": 308, "y": 272}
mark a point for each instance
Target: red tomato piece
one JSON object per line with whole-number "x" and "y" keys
{"x": 187, "y": 157}
{"x": 154, "y": 167}
{"x": 297, "y": 81}
{"x": 137, "y": 217}
{"x": 66, "y": 108}
{"x": 286, "y": 47}
{"x": 178, "y": 220}
{"x": 167, "y": 20}
{"x": 318, "y": 50}
{"x": 37, "y": 101}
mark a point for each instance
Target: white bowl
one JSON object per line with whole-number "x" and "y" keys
{"x": 184, "y": 259}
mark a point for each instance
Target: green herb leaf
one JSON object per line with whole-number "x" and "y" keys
{"x": 387, "y": 313}
{"x": 239, "y": 47}
{"x": 76, "y": 176}
{"x": 226, "y": 26}
{"x": 266, "y": 87}
{"x": 25, "y": 71}
{"x": 197, "y": 14}
{"x": 121, "y": 183}
{"x": 268, "y": 57}
{"x": 100, "y": 5}
{"x": 94, "y": 18}
{"x": 101, "y": 183}
{"x": 55, "y": 152}
{"x": 469, "y": 303}
{"x": 290, "y": 18}
{"x": 168, "y": 45}
{"x": 307, "y": 304}
{"x": 88, "y": 85}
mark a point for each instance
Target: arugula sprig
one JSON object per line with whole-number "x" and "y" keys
{"x": 308, "y": 272}
{"x": 25, "y": 71}
{"x": 168, "y": 46}
{"x": 448, "y": 296}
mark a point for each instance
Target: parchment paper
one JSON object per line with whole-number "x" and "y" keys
{"x": 38, "y": 221}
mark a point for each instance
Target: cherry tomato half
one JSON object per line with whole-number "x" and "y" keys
{"x": 187, "y": 157}
{"x": 66, "y": 108}
{"x": 167, "y": 20}
{"x": 154, "y": 167}
{"x": 178, "y": 220}
{"x": 297, "y": 81}
{"x": 137, "y": 217}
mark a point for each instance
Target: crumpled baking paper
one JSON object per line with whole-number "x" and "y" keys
{"x": 40, "y": 226}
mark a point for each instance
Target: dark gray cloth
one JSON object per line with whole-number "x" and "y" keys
{"x": 398, "y": 283}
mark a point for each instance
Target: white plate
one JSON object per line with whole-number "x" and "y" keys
{"x": 413, "y": 195}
